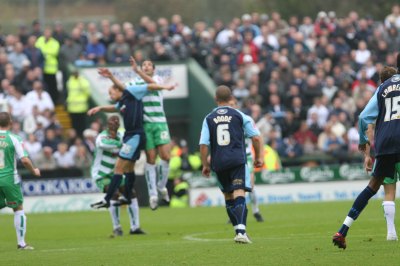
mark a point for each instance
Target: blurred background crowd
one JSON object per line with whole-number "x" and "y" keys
{"x": 303, "y": 80}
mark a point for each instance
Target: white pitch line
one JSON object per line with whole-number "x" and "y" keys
{"x": 58, "y": 250}
{"x": 195, "y": 237}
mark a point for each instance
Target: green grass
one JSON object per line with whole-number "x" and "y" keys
{"x": 293, "y": 234}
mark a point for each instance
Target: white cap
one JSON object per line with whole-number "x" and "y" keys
{"x": 247, "y": 59}
{"x": 246, "y": 17}
{"x": 322, "y": 14}
{"x": 89, "y": 133}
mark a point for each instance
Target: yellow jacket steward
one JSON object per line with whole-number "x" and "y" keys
{"x": 180, "y": 198}
{"x": 50, "y": 51}
{"x": 272, "y": 161}
{"x": 78, "y": 94}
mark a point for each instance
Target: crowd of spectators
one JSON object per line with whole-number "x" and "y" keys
{"x": 303, "y": 80}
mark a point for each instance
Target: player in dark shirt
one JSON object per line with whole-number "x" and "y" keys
{"x": 223, "y": 134}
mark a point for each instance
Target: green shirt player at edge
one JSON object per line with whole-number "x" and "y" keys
{"x": 11, "y": 150}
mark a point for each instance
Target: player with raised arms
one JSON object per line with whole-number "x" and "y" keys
{"x": 129, "y": 104}
{"x": 157, "y": 133}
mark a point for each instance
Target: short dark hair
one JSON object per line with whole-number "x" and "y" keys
{"x": 386, "y": 73}
{"x": 152, "y": 63}
{"x": 223, "y": 94}
{"x": 5, "y": 119}
{"x": 113, "y": 123}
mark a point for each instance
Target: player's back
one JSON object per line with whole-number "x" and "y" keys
{"x": 227, "y": 138}
{"x": 387, "y": 131}
{"x": 131, "y": 110}
{"x": 8, "y": 161}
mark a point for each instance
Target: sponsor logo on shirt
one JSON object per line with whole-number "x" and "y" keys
{"x": 222, "y": 111}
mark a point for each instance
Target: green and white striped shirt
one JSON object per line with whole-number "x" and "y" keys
{"x": 11, "y": 150}
{"x": 153, "y": 106}
{"x": 105, "y": 155}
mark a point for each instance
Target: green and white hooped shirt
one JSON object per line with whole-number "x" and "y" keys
{"x": 153, "y": 106}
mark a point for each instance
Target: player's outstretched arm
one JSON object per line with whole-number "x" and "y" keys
{"x": 105, "y": 72}
{"x": 203, "y": 155}
{"x": 140, "y": 73}
{"x": 158, "y": 87}
{"x": 28, "y": 165}
{"x": 105, "y": 108}
{"x": 258, "y": 147}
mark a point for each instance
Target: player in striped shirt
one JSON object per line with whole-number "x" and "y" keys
{"x": 157, "y": 133}
{"x": 11, "y": 150}
{"x": 108, "y": 144}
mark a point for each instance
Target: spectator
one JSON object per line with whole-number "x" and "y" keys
{"x": 16, "y": 129}
{"x": 17, "y": 57}
{"x": 304, "y": 134}
{"x": 248, "y": 26}
{"x": 240, "y": 91}
{"x": 334, "y": 146}
{"x": 82, "y": 159}
{"x": 64, "y": 158}
{"x": 118, "y": 51}
{"x": 39, "y": 97}
{"x": 289, "y": 148}
{"x": 59, "y": 33}
{"x": 329, "y": 89}
{"x": 36, "y": 29}
{"x": 78, "y": 89}
{"x": 321, "y": 112}
{"x": 362, "y": 54}
{"x": 337, "y": 128}
{"x": 353, "y": 138}
{"x": 69, "y": 52}
{"x": 51, "y": 139}
{"x": 276, "y": 109}
{"x": 393, "y": 19}
{"x": 298, "y": 109}
{"x": 95, "y": 51}
{"x": 33, "y": 146}
{"x": 289, "y": 125}
{"x": 89, "y": 140}
{"x": 50, "y": 48}
{"x": 18, "y": 104}
{"x": 45, "y": 160}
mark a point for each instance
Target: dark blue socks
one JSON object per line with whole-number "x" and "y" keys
{"x": 113, "y": 187}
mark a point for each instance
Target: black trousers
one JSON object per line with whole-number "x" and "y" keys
{"x": 50, "y": 83}
{"x": 78, "y": 122}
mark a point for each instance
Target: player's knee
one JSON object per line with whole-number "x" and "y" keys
{"x": 228, "y": 196}
{"x": 18, "y": 208}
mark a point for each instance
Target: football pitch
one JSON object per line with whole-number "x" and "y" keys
{"x": 292, "y": 234}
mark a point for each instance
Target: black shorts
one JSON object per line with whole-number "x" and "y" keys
{"x": 234, "y": 178}
{"x": 385, "y": 165}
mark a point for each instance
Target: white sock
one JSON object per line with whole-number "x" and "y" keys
{"x": 133, "y": 212}
{"x": 20, "y": 226}
{"x": 254, "y": 203}
{"x": 114, "y": 212}
{"x": 151, "y": 175}
{"x": 348, "y": 221}
{"x": 163, "y": 172}
{"x": 389, "y": 211}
